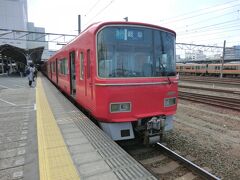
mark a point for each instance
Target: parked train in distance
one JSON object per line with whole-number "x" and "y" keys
{"x": 229, "y": 69}
{"x": 124, "y": 74}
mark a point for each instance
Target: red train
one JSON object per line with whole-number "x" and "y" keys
{"x": 124, "y": 74}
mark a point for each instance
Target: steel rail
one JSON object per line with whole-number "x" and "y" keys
{"x": 217, "y": 98}
{"x": 210, "y": 89}
{"x": 207, "y": 78}
{"x": 212, "y": 81}
{"x": 200, "y": 171}
{"x": 229, "y": 103}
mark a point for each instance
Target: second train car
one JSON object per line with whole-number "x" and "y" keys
{"x": 229, "y": 69}
{"x": 124, "y": 74}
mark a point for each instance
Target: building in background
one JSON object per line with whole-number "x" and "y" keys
{"x": 232, "y": 53}
{"x": 195, "y": 56}
{"x": 39, "y": 36}
{"x": 14, "y": 16}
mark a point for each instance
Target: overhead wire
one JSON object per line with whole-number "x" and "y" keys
{"x": 208, "y": 19}
{"x": 91, "y": 8}
{"x": 221, "y": 29}
{"x": 99, "y": 12}
{"x": 200, "y": 30}
{"x": 220, "y": 36}
{"x": 212, "y": 25}
{"x": 213, "y": 34}
{"x": 211, "y": 39}
{"x": 218, "y": 28}
{"x": 177, "y": 18}
{"x": 227, "y": 27}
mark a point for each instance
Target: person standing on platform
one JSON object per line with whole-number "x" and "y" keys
{"x": 20, "y": 69}
{"x": 34, "y": 69}
{"x": 30, "y": 75}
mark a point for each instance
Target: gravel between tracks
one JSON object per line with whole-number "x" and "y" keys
{"x": 210, "y": 135}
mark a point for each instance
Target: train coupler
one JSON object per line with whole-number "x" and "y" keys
{"x": 154, "y": 130}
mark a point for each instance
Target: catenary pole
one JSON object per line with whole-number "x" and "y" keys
{"x": 224, "y": 47}
{"x": 79, "y": 24}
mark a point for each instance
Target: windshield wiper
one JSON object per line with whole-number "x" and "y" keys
{"x": 169, "y": 80}
{"x": 165, "y": 72}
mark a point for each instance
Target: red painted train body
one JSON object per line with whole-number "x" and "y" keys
{"x": 124, "y": 74}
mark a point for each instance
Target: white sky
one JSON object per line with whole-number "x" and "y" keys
{"x": 195, "y": 21}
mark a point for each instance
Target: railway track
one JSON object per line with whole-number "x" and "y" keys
{"x": 224, "y": 102}
{"x": 210, "y": 89}
{"x": 228, "y": 81}
{"x": 200, "y": 171}
{"x": 167, "y": 164}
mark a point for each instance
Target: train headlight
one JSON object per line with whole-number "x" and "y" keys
{"x": 120, "y": 107}
{"x": 169, "y": 102}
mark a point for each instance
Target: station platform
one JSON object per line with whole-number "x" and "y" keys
{"x": 44, "y": 136}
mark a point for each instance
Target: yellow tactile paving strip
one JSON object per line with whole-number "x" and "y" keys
{"x": 55, "y": 162}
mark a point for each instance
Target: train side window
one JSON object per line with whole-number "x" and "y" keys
{"x": 59, "y": 66}
{"x": 81, "y": 66}
{"x": 88, "y": 64}
{"x": 53, "y": 67}
{"x": 50, "y": 67}
{"x": 63, "y": 66}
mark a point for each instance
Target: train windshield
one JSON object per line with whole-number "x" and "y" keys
{"x": 125, "y": 51}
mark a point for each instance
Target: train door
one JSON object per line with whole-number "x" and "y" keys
{"x": 89, "y": 81}
{"x": 51, "y": 70}
{"x": 56, "y": 71}
{"x": 83, "y": 76}
{"x": 72, "y": 74}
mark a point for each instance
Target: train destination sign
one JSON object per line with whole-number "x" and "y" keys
{"x": 129, "y": 34}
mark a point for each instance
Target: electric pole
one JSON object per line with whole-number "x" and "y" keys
{"x": 224, "y": 47}
{"x": 79, "y": 24}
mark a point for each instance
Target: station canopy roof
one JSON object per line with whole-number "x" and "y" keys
{"x": 21, "y": 55}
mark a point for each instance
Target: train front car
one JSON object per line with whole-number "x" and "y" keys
{"x": 136, "y": 80}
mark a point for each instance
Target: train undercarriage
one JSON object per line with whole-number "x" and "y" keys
{"x": 150, "y": 130}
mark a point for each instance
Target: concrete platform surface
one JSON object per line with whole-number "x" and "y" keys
{"x": 18, "y": 140}
{"x": 44, "y": 136}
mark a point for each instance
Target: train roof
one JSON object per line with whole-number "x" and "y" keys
{"x": 93, "y": 28}
{"x": 99, "y": 25}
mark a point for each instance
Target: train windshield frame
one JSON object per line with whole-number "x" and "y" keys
{"x": 135, "y": 51}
